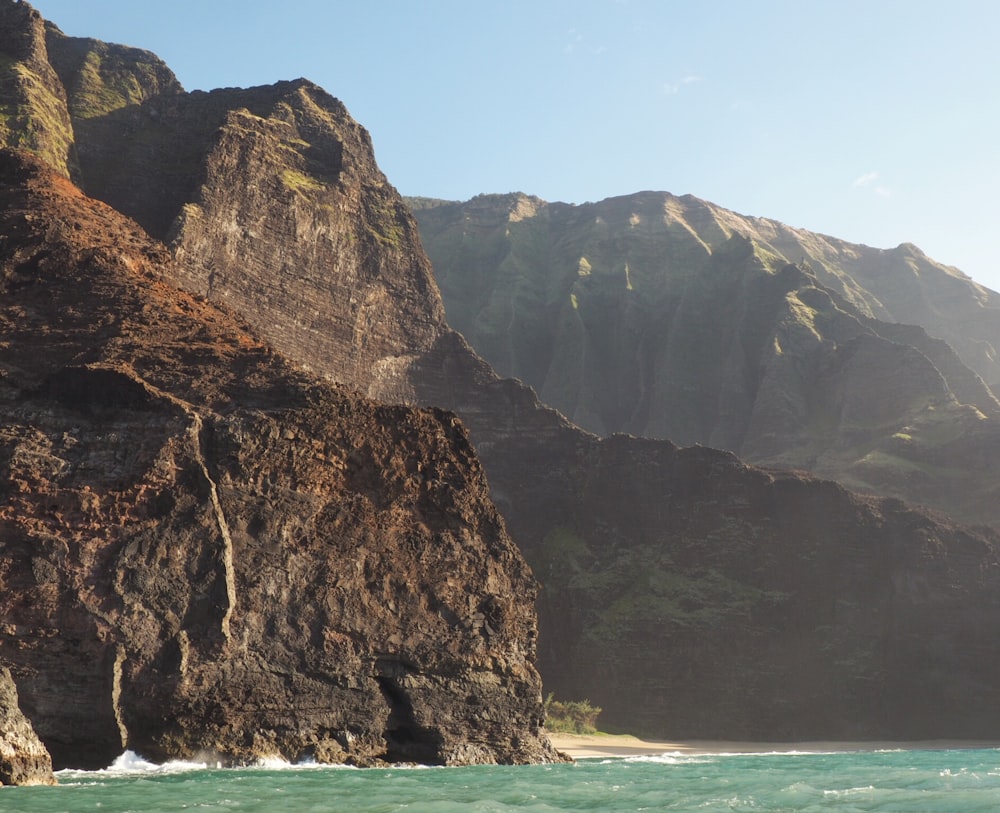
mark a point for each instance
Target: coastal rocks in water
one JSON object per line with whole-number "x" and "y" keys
{"x": 23, "y": 758}
{"x": 206, "y": 550}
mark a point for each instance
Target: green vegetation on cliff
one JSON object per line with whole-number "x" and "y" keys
{"x": 33, "y": 114}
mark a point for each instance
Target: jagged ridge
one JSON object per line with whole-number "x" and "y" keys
{"x": 671, "y": 317}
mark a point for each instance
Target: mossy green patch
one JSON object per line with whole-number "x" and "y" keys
{"x": 33, "y": 116}
{"x": 299, "y": 181}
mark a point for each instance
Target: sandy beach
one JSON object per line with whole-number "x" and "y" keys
{"x": 588, "y": 746}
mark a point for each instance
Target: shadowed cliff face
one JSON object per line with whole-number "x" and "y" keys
{"x": 205, "y": 550}
{"x": 690, "y": 595}
{"x": 23, "y": 758}
{"x": 686, "y": 593}
{"x": 264, "y": 187}
{"x": 670, "y": 317}
{"x": 739, "y": 602}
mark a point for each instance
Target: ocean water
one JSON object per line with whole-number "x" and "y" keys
{"x": 947, "y": 781}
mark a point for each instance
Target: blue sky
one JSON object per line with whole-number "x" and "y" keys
{"x": 876, "y": 121}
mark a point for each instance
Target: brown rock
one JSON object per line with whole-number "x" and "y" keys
{"x": 23, "y": 758}
{"x": 206, "y": 550}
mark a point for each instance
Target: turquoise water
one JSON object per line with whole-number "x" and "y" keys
{"x": 964, "y": 781}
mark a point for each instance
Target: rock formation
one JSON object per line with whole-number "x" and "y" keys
{"x": 23, "y": 758}
{"x": 688, "y": 594}
{"x": 690, "y": 579}
{"x": 33, "y": 110}
{"x": 205, "y": 550}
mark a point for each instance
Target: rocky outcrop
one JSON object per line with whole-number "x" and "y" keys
{"x": 691, "y": 595}
{"x": 319, "y": 218}
{"x": 23, "y": 758}
{"x": 669, "y": 317}
{"x": 103, "y": 85}
{"x": 205, "y": 550}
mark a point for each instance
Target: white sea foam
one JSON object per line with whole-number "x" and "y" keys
{"x": 686, "y": 757}
{"x": 131, "y": 764}
{"x": 672, "y": 758}
{"x": 275, "y": 763}
{"x": 844, "y": 792}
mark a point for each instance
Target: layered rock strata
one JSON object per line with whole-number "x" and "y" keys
{"x": 207, "y": 551}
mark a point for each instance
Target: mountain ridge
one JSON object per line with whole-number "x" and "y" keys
{"x": 670, "y": 317}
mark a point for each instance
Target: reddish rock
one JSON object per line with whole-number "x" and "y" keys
{"x": 206, "y": 550}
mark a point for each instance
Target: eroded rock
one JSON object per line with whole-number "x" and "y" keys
{"x": 208, "y": 551}
{"x": 23, "y": 758}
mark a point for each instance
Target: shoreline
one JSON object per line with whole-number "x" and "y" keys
{"x": 592, "y": 746}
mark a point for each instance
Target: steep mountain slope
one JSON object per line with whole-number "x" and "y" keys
{"x": 686, "y": 575}
{"x": 543, "y": 473}
{"x": 33, "y": 111}
{"x": 498, "y": 251}
{"x": 319, "y": 218}
{"x": 691, "y": 595}
{"x": 205, "y": 550}
{"x": 669, "y": 317}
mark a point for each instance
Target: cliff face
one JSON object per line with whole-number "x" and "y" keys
{"x": 694, "y": 581}
{"x": 33, "y": 111}
{"x": 669, "y": 317}
{"x": 687, "y": 593}
{"x": 205, "y": 550}
{"x": 691, "y": 595}
{"x": 318, "y": 219}
{"x": 23, "y": 758}
{"x": 508, "y": 265}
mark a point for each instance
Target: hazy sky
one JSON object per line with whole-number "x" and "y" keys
{"x": 877, "y": 121}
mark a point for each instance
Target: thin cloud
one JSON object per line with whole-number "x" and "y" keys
{"x": 673, "y": 88}
{"x": 577, "y": 42}
{"x": 872, "y": 182}
{"x": 575, "y": 39}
